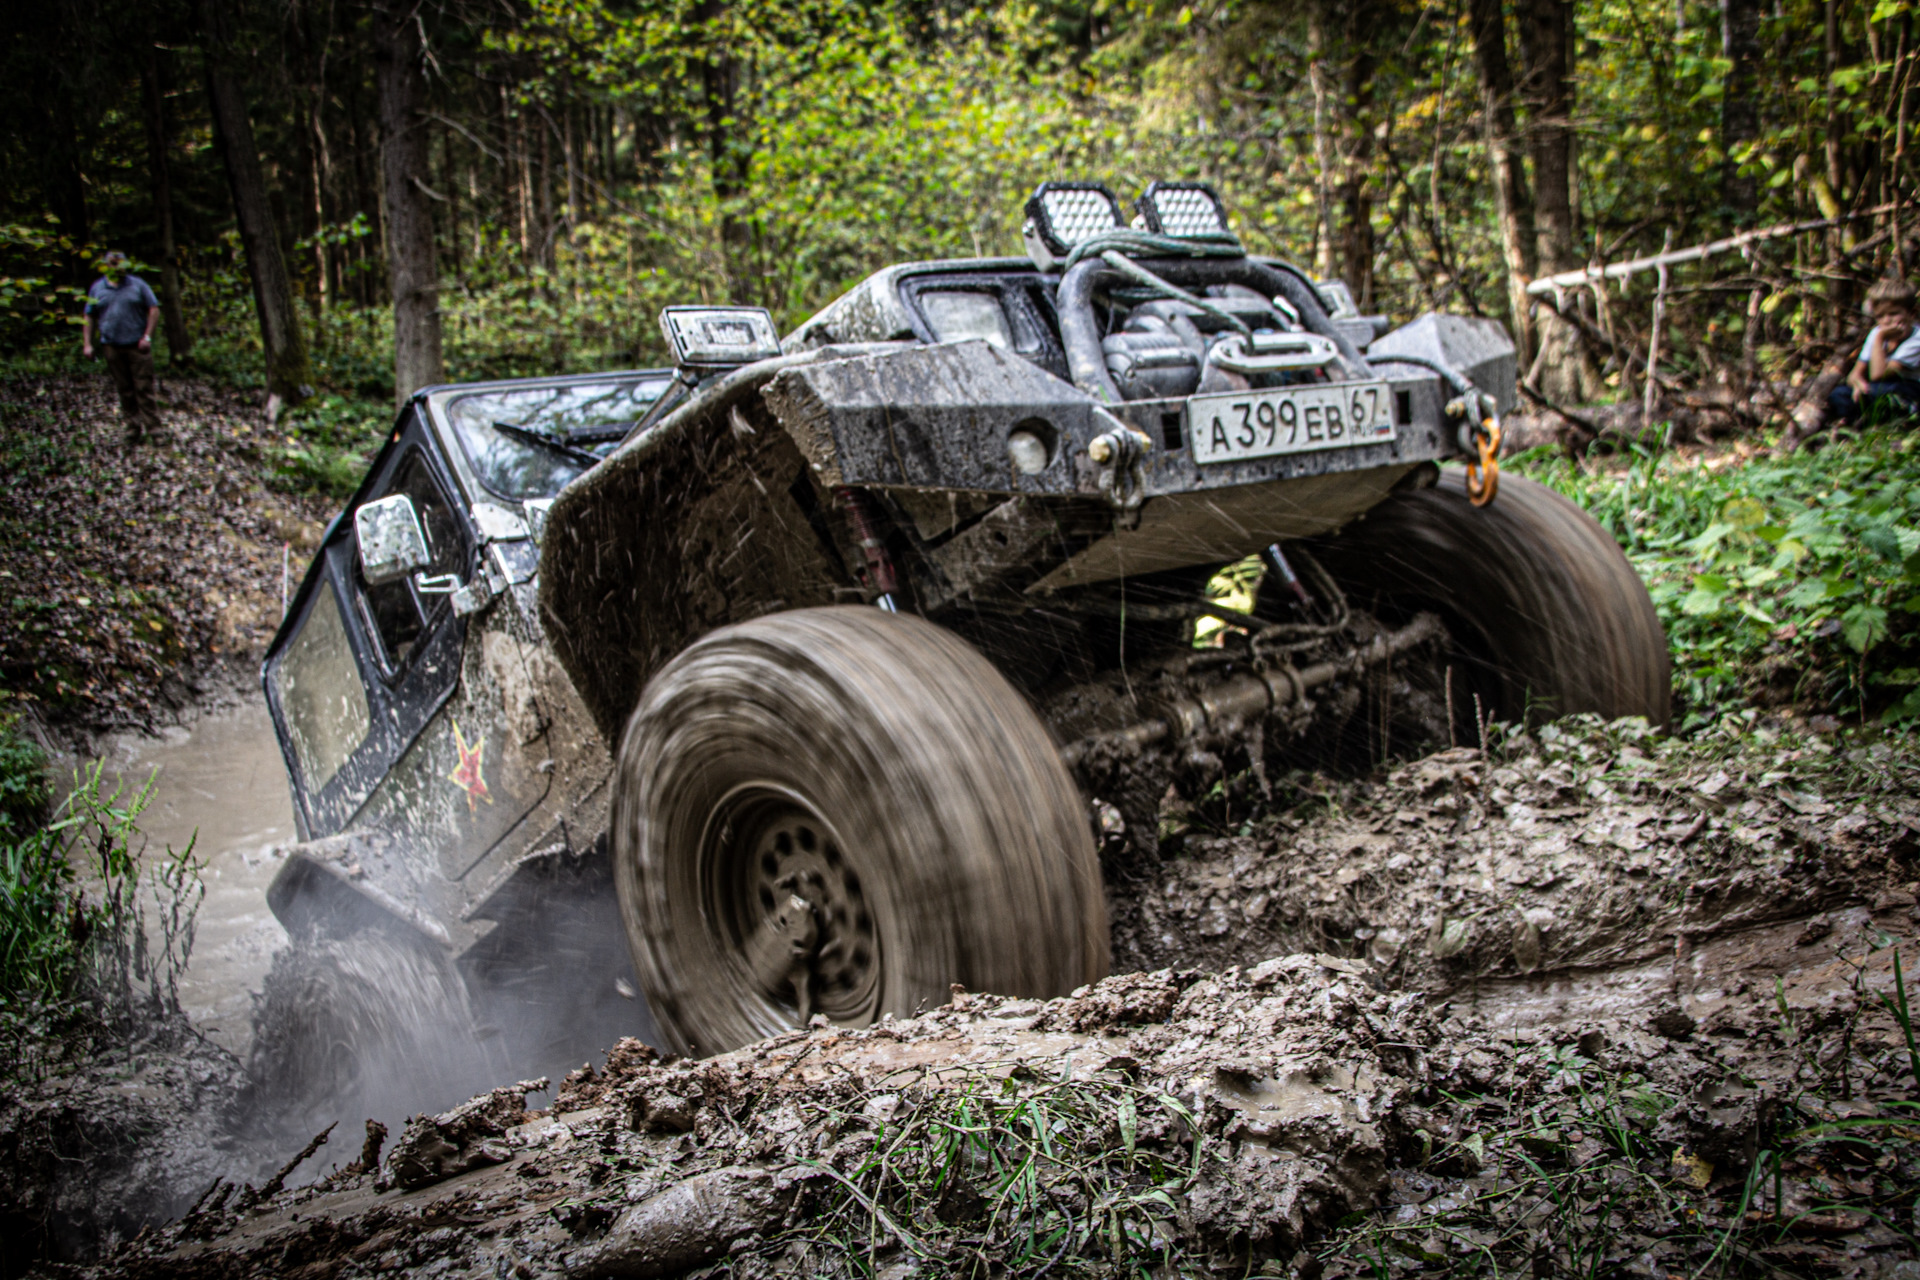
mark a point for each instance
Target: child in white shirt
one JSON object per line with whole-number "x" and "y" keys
{"x": 1889, "y": 364}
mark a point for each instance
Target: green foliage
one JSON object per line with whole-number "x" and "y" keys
{"x": 92, "y": 934}
{"x": 1575, "y": 1172}
{"x": 994, "y": 1170}
{"x": 329, "y": 442}
{"x": 31, "y": 299}
{"x": 592, "y": 161}
{"x": 25, "y": 793}
{"x": 1784, "y": 579}
{"x": 36, "y": 949}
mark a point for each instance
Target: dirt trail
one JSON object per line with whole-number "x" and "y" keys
{"x": 127, "y": 575}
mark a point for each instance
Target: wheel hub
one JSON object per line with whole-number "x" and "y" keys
{"x": 787, "y": 899}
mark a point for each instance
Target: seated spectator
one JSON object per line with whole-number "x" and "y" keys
{"x": 1885, "y": 381}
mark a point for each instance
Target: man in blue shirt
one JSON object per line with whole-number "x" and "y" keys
{"x": 121, "y": 311}
{"x": 1889, "y": 365}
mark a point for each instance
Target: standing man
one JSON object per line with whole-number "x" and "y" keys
{"x": 121, "y": 313}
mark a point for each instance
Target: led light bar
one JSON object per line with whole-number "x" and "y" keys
{"x": 719, "y": 337}
{"x": 1063, "y": 214}
{"x": 1183, "y": 209}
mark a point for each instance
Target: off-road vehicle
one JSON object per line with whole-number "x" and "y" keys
{"x": 815, "y": 675}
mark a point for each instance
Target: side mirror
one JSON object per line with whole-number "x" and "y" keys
{"x": 389, "y": 538}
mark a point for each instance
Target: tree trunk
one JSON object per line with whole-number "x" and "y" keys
{"x": 411, "y": 262}
{"x": 547, "y": 231}
{"x": 288, "y": 372}
{"x": 719, "y": 85}
{"x": 1356, "y": 168}
{"x": 1511, "y": 206}
{"x": 450, "y": 183}
{"x": 1835, "y": 191}
{"x": 1562, "y": 368}
{"x": 367, "y": 199}
{"x": 1739, "y": 103}
{"x": 1323, "y": 158}
{"x": 513, "y": 169}
{"x": 179, "y": 343}
{"x": 1342, "y": 68}
{"x": 572, "y": 161}
{"x": 1546, "y": 29}
{"x": 66, "y": 183}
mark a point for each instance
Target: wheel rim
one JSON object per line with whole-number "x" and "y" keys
{"x": 787, "y": 905}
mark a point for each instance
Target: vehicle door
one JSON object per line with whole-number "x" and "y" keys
{"x": 358, "y": 671}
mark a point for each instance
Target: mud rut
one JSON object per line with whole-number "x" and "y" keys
{"x": 1659, "y": 907}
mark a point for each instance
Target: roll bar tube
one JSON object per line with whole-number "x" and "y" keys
{"x": 1087, "y": 362}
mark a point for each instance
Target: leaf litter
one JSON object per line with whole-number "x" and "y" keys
{"x": 127, "y": 572}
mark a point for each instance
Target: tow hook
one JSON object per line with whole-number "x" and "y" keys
{"x": 1121, "y": 455}
{"x": 1479, "y": 437}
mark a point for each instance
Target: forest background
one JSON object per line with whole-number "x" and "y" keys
{"x": 352, "y": 198}
{"x": 339, "y": 201}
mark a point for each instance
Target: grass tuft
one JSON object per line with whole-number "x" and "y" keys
{"x": 92, "y": 942}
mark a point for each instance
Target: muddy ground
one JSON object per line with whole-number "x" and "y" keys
{"x": 139, "y": 588}
{"x": 219, "y": 783}
{"x": 1589, "y": 1002}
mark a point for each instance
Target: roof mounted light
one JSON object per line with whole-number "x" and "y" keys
{"x": 719, "y": 337}
{"x": 1061, "y": 215}
{"x": 1183, "y": 209}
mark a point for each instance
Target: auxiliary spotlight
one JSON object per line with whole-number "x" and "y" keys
{"x": 719, "y": 337}
{"x": 1061, "y": 215}
{"x": 1183, "y": 209}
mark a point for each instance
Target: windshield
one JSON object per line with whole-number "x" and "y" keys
{"x": 529, "y": 442}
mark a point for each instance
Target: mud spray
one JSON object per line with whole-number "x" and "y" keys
{"x": 370, "y": 1026}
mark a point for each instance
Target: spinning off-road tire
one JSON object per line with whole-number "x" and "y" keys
{"x": 1548, "y": 617}
{"x": 843, "y": 812}
{"x": 371, "y": 1025}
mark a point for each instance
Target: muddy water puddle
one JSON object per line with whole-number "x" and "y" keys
{"x": 220, "y": 783}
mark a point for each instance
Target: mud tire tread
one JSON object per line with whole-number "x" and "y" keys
{"x": 1545, "y": 608}
{"x": 937, "y": 776}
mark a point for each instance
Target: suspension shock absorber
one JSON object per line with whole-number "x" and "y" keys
{"x": 864, "y": 520}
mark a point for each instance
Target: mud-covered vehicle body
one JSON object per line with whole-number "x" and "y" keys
{"x": 665, "y": 683}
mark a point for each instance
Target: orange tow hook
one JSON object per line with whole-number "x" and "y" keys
{"x": 1483, "y": 481}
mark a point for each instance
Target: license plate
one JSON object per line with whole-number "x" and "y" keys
{"x": 1260, "y": 424}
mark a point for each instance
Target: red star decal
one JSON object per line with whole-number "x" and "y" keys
{"x": 467, "y": 775}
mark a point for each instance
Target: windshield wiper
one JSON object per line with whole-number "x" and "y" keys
{"x": 558, "y": 444}
{"x": 600, "y": 432}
